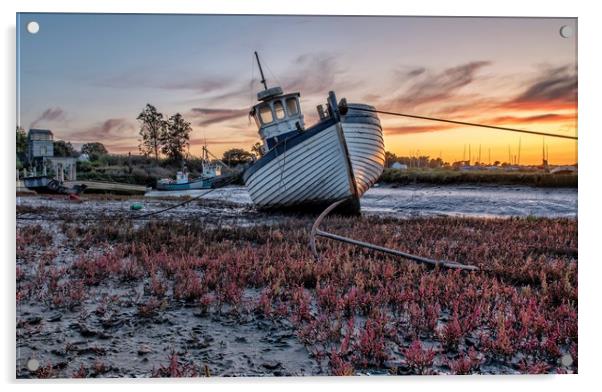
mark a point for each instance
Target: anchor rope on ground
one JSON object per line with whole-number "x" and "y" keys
{"x": 316, "y": 232}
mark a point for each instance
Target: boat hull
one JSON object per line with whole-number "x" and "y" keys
{"x": 184, "y": 187}
{"x": 47, "y": 185}
{"x": 205, "y": 183}
{"x": 332, "y": 161}
{"x": 365, "y": 145}
{"x": 308, "y": 170}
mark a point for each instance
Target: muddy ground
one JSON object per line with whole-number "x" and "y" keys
{"x": 216, "y": 288}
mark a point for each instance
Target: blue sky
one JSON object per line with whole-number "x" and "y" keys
{"x": 87, "y": 76}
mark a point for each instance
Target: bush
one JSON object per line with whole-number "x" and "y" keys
{"x": 447, "y": 177}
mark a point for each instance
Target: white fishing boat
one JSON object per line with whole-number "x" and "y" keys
{"x": 338, "y": 158}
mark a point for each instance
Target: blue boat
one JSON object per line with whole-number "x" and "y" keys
{"x": 211, "y": 177}
{"x": 184, "y": 185}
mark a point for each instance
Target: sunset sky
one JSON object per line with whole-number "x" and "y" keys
{"x": 86, "y": 77}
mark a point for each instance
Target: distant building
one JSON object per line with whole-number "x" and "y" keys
{"x": 83, "y": 158}
{"x": 64, "y": 168}
{"x": 40, "y": 144}
{"x": 399, "y": 166}
{"x": 466, "y": 168}
{"x": 40, "y": 152}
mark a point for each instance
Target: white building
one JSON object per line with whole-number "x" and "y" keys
{"x": 399, "y": 166}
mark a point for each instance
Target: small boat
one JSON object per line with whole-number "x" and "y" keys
{"x": 211, "y": 177}
{"x": 339, "y": 158}
{"x": 48, "y": 185}
{"x": 182, "y": 183}
{"x": 564, "y": 170}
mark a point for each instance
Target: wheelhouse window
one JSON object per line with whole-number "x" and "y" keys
{"x": 265, "y": 114}
{"x": 292, "y": 107}
{"x": 279, "y": 110}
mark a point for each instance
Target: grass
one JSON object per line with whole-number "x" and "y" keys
{"x": 448, "y": 177}
{"x": 354, "y": 310}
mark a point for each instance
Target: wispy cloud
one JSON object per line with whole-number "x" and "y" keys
{"x": 201, "y": 85}
{"x": 312, "y": 73}
{"x": 112, "y": 128}
{"x": 549, "y": 98}
{"x": 208, "y": 116}
{"x": 554, "y": 88}
{"x": 138, "y": 79}
{"x": 49, "y": 115}
{"x": 408, "y": 129}
{"x": 430, "y": 87}
{"x": 539, "y": 118}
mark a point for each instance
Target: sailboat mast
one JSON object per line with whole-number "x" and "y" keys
{"x": 265, "y": 85}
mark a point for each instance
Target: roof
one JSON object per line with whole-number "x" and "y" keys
{"x": 43, "y": 131}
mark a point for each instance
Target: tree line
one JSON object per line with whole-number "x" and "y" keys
{"x": 160, "y": 135}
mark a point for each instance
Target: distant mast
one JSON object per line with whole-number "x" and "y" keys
{"x": 265, "y": 85}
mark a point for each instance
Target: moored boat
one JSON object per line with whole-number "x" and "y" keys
{"x": 338, "y": 158}
{"x": 211, "y": 177}
{"x": 48, "y": 185}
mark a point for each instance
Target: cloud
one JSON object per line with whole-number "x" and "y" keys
{"x": 312, "y": 74}
{"x": 202, "y": 85}
{"x": 137, "y": 79}
{"x": 547, "y": 99}
{"x": 545, "y": 118}
{"x": 540, "y": 118}
{"x": 210, "y": 116}
{"x": 408, "y": 129}
{"x": 49, "y": 115}
{"x": 415, "y": 72}
{"x": 406, "y": 73}
{"x": 113, "y": 128}
{"x": 428, "y": 87}
{"x": 554, "y": 88}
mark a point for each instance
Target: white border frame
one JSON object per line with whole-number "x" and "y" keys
{"x": 589, "y": 168}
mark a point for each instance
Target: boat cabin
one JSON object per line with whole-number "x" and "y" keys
{"x": 182, "y": 177}
{"x": 211, "y": 170}
{"x": 278, "y": 116}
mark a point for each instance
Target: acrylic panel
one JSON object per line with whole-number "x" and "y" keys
{"x": 264, "y": 195}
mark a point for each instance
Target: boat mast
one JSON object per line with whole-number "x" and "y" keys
{"x": 265, "y": 85}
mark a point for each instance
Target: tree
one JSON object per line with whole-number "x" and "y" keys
{"x": 21, "y": 144}
{"x": 64, "y": 149}
{"x": 175, "y": 137}
{"x": 236, "y": 156}
{"x": 390, "y": 158}
{"x": 94, "y": 150}
{"x": 152, "y": 126}
{"x": 257, "y": 149}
